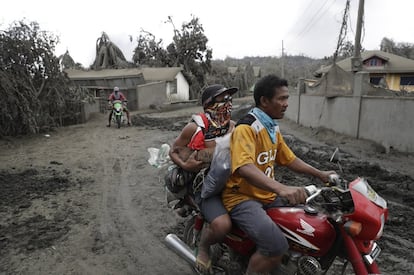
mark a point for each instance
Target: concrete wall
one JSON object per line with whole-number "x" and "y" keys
{"x": 178, "y": 90}
{"x": 151, "y": 94}
{"x": 319, "y": 111}
{"x": 183, "y": 88}
{"x": 386, "y": 120}
{"x": 132, "y": 98}
{"x": 389, "y": 121}
{"x": 88, "y": 108}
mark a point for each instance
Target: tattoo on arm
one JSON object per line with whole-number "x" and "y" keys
{"x": 205, "y": 155}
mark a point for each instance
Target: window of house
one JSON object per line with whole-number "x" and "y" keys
{"x": 173, "y": 88}
{"x": 407, "y": 80}
{"x": 375, "y": 80}
{"x": 374, "y": 62}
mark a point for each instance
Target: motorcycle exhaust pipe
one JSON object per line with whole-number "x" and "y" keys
{"x": 181, "y": 248}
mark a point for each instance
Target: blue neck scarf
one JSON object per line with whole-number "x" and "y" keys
{"x": 267, "y": 122}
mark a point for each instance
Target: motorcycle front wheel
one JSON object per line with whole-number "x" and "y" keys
{"x": 118, "y": 121}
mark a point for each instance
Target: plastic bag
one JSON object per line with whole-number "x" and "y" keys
{"x": 159, "y": 157}
{"x": 220, "y": 168}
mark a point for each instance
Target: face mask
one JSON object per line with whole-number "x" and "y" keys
{"x": 220, "y": 113}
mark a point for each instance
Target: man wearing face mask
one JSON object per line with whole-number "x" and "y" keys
{"x": 193, "y": 150}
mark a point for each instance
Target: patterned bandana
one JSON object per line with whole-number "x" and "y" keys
{"x": 219, "y": 116}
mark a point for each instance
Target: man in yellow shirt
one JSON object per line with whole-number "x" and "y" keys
{"x": 256, "y": 146}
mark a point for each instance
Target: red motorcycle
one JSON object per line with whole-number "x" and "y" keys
{"x": 334, "y": 223}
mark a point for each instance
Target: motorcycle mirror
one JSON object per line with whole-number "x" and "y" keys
{"x": 335, "y": 156}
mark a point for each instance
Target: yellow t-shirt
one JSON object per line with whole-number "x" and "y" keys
{"x": 250, "y": 143}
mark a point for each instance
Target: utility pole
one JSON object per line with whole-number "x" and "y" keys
{"x": 356, "y": 61}
{"x": 283, "y": 61}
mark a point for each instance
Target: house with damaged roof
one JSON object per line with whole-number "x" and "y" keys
{"x": 144, "y": 87}
{"x": 385, "y": 70}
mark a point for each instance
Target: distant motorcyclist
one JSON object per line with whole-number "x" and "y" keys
{"x": 117, "y": 95}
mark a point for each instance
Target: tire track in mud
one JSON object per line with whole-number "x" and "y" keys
{"x": 114, "y": 236}
{"x": 123, "y": 219}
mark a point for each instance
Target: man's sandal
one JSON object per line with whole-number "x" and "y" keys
{"x": 201, "y": 266}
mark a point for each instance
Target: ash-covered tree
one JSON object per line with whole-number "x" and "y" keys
{"x": 188, "y": 49}
{"x": 108, "y": 55}
{"x": 387, "y": 45}
{"x": 34, "y": 91}
{"x": 403, "y": 49}
{"x": 150, "y": 52}
{"x": 345, "y": 50}
{"x": 67, "y": 62}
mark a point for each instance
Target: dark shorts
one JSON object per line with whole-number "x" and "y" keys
{"x": 252, "y": 218}
{"x": 211, "y": 207}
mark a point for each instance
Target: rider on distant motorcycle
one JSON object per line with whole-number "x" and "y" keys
{"x": 117, "y": 95}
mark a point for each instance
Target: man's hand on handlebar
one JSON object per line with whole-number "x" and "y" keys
{"x": 295, "y": 195}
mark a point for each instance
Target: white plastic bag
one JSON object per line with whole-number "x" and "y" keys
{"x": 159, "y": 157}
{"x": 220, "y": 168}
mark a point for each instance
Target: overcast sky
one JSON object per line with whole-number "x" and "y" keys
{"x": 234, "y": 28}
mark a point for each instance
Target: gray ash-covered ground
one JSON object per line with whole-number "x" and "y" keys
{"x": 75, "y": 203}
{"x": 21, "y": 230}
{"x": 397, "y": 242}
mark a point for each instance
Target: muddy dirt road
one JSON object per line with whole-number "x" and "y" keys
{"x": 86, "y": 201}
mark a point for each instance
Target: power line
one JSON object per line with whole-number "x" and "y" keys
{"x": 315, "y": 18}
{"x": 301, "y": 16}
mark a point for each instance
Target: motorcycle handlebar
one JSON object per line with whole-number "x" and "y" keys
{"x": 310, "y": 189}
{"x": 312, "y": 192}
{"x": 334, "y": 183}
{"x": 333, "y": 180}
{"x": 112, "y": 101}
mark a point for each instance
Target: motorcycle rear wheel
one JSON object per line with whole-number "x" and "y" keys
{"x": 188, "y": 235}
{"x": 192, "y": 240}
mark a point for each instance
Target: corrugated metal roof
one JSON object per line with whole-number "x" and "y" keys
{"x": 150, "y": 74}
